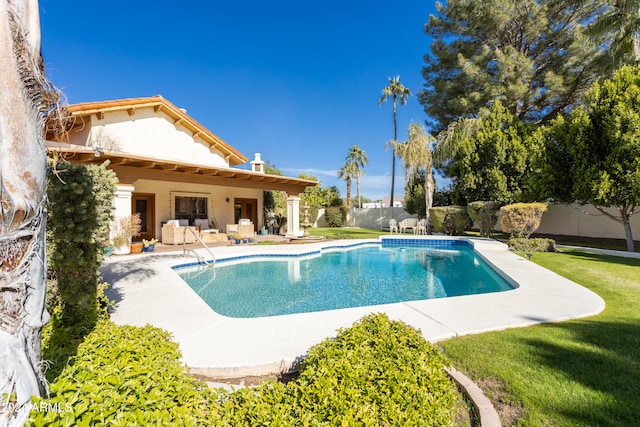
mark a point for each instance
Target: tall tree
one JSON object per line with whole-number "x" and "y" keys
{"x": 357, "y": 157}
{"x": 397, "y": 92}
{"x": 488, "y": 158}
{"x": 417, "y": 158}
{"x": 593, "y": 156}
{"x": 25, "y": 98}
{"x": 347, "y": 172}
{"x": 621, "y": 25}
{"x": 533, "y": 55}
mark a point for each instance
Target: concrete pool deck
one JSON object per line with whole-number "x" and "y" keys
{"x": 148, "y": 291}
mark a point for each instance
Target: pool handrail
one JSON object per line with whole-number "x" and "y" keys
{"x": 200, "y": 258}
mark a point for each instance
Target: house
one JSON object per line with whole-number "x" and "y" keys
{"x": 398, "y": 202}
{"x": 169, "y": 166}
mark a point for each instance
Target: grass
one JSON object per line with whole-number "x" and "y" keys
{"x": 583, "y": 372}
{"x": 346, "y": 233}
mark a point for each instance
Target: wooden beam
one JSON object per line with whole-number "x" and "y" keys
{"x": 157, "y": 108}
{"x": 178, "y": 122}
{"x": 131, "y": 111}
{"x": 100, "y": 115}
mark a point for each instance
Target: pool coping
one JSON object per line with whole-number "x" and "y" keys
{"x": 148, "y": 291}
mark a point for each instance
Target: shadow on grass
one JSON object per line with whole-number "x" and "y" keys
{"x": 603, "y": 356}
{"x": 609, "y": 259}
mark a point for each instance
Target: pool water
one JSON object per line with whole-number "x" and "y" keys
{"x": 364, "y": 275}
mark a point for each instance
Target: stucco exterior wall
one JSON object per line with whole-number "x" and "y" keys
{"x": 219, "y": 210}
{"x": 585, "y": 221}
{"x": 151, "y": 134}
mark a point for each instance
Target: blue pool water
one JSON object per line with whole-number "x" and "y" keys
{"x": 363, "y": 275}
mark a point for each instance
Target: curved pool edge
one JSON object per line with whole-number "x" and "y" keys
{"x": 225, "y": 347}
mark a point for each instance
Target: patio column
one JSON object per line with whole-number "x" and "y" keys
{"x": 293, "y": 217}
{"x": 122, "y": 200}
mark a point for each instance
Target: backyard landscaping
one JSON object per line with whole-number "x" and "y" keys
{"x": 582, "y": 372}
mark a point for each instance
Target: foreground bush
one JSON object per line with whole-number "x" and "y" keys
{"x": 124, "y": 375}
{"x": 376, "y": 373}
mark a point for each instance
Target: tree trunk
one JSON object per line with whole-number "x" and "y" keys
{"x": 627, "y": 231}
{"x": 625, "y": 212}
{"x": 358, "y": 191}
{"x": 428, "y": 196}
{"x": 393, "y": 153}
{"x": 22, "y": 216}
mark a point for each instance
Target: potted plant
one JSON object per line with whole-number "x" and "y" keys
{"x": 149, "y": 245}
{"x": 124, "y": 228}
{"x": 107, "y": 249}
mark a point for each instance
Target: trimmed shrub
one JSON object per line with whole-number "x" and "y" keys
{"x": 376, "y": 372}
{"x": 485, "y": 214}
{"x": 335, "y": 216}
{"x": 124, "y": 375}
{"x": 449, "y": 219}
{"x": 532, "y": 245}
{"x": 521, "y": 219}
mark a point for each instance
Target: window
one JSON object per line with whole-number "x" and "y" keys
{"x": 191, "y": 208}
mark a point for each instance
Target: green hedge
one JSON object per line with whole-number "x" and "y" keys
{"x": 485, "y": 214}
{"x": 532, "y": 245}
{"x": 335, "y": 216}
{"x": 79, "y": 209}
{"x": 449, "y": 219}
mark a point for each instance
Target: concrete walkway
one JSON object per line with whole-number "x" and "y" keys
{"x": 148, "y": 291}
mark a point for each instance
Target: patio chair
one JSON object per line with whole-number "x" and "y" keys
{"x": 421, "y": 227}
{"x": 393, "y": 225}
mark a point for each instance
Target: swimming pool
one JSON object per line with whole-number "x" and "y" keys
{"x": 342, "y": 277}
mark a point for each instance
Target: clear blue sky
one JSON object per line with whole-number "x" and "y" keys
{"x": 295, "y": 80}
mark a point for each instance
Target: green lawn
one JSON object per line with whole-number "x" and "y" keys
{"x": 346, "y": 233}
{"x": 583, "y": 372}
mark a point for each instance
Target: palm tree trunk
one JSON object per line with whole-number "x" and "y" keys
{"x": 358, "y": 191}
{"x": 429, "y": 186}
{"x": 393, "y": 152}
{"x": 22, "y": 216}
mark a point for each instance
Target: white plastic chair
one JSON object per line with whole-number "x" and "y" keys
{"x": 393, "y": 225}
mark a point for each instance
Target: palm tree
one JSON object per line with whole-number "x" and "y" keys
{"x": 416, "y": 155}
{"x": 25, "y": 98}
{"x": 347, "y": 173}
{"x": 398, "y": 92}
{"x": 358, "y": 158}
{"x": 621, "y": 24}
{"x": 449, "y": 140}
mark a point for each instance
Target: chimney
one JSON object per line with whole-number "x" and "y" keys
{"x": 257, "y": 165}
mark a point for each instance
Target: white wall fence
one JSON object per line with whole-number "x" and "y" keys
{"x": 567, "y": 220}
